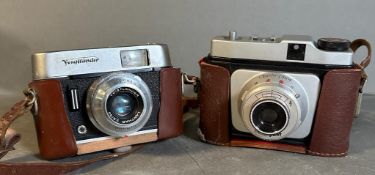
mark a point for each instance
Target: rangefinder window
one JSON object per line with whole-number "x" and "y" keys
{"x": 133, "y": 58}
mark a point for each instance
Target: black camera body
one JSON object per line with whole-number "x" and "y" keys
{"x": 76, "y": 87}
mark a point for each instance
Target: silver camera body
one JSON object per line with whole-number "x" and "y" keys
{"x": 274, "y": 104}
{"x": 288, "y": 100}
{"x": 287, "y": 49}
{"x": 60, "y": 64}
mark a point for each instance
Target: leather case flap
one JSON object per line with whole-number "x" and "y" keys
{"x": 335, "y": 111}
{"x": 170, "y": 115}
{"x": 55, "y": 135}
{"x": 214, "y": 103}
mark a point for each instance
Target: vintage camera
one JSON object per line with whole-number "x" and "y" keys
{"x": 288, "y": 93}
{"x": 99, "y": 99}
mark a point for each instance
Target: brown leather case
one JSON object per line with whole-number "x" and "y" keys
{"x": 55, "y": 136}
{"x": 170, "y": 114}
{"x": 268, "y": 145}
{"x": 335, "y": 112}
{"x": 214, "y": 103}
{"x": 332, "y": 122}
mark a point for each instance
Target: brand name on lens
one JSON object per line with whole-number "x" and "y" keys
{"x": 81, "y": 60}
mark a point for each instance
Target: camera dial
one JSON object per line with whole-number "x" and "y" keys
{"x": 119, "y": 104}
{"x": 333, "y": 44}
{"x": 272, "y": 105}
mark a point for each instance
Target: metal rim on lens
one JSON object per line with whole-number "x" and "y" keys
{"x": 97, "y": 97}
{"x": 251, "y": 98}
{"x": 270, "y": 101}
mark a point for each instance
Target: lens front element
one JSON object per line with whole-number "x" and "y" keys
{"x": 269, "y": 117}
{"x": 124, "y": 105}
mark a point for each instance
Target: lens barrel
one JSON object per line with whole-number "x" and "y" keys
{"x": 119, "y": 104}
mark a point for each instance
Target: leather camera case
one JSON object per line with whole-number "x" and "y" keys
{"x": 55, "y": 135}
{"x": 332, "y": 120}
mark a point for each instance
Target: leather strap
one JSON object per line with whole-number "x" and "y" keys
{"x": 8, "y": 138}
{"x": 55, "y": 167}
{"x": 190, "y": 102}
{"x": 366, "y": 61}
{"x": 357, "y": 44}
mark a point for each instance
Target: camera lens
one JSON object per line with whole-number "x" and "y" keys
{"x": 269, "y": 117}
{"x": 119, "y": 103}
{"x": 271, "y": 105}
{"x": 124, "y": 105}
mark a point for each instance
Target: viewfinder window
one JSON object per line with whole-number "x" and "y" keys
{"x": 134, "y": 58}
